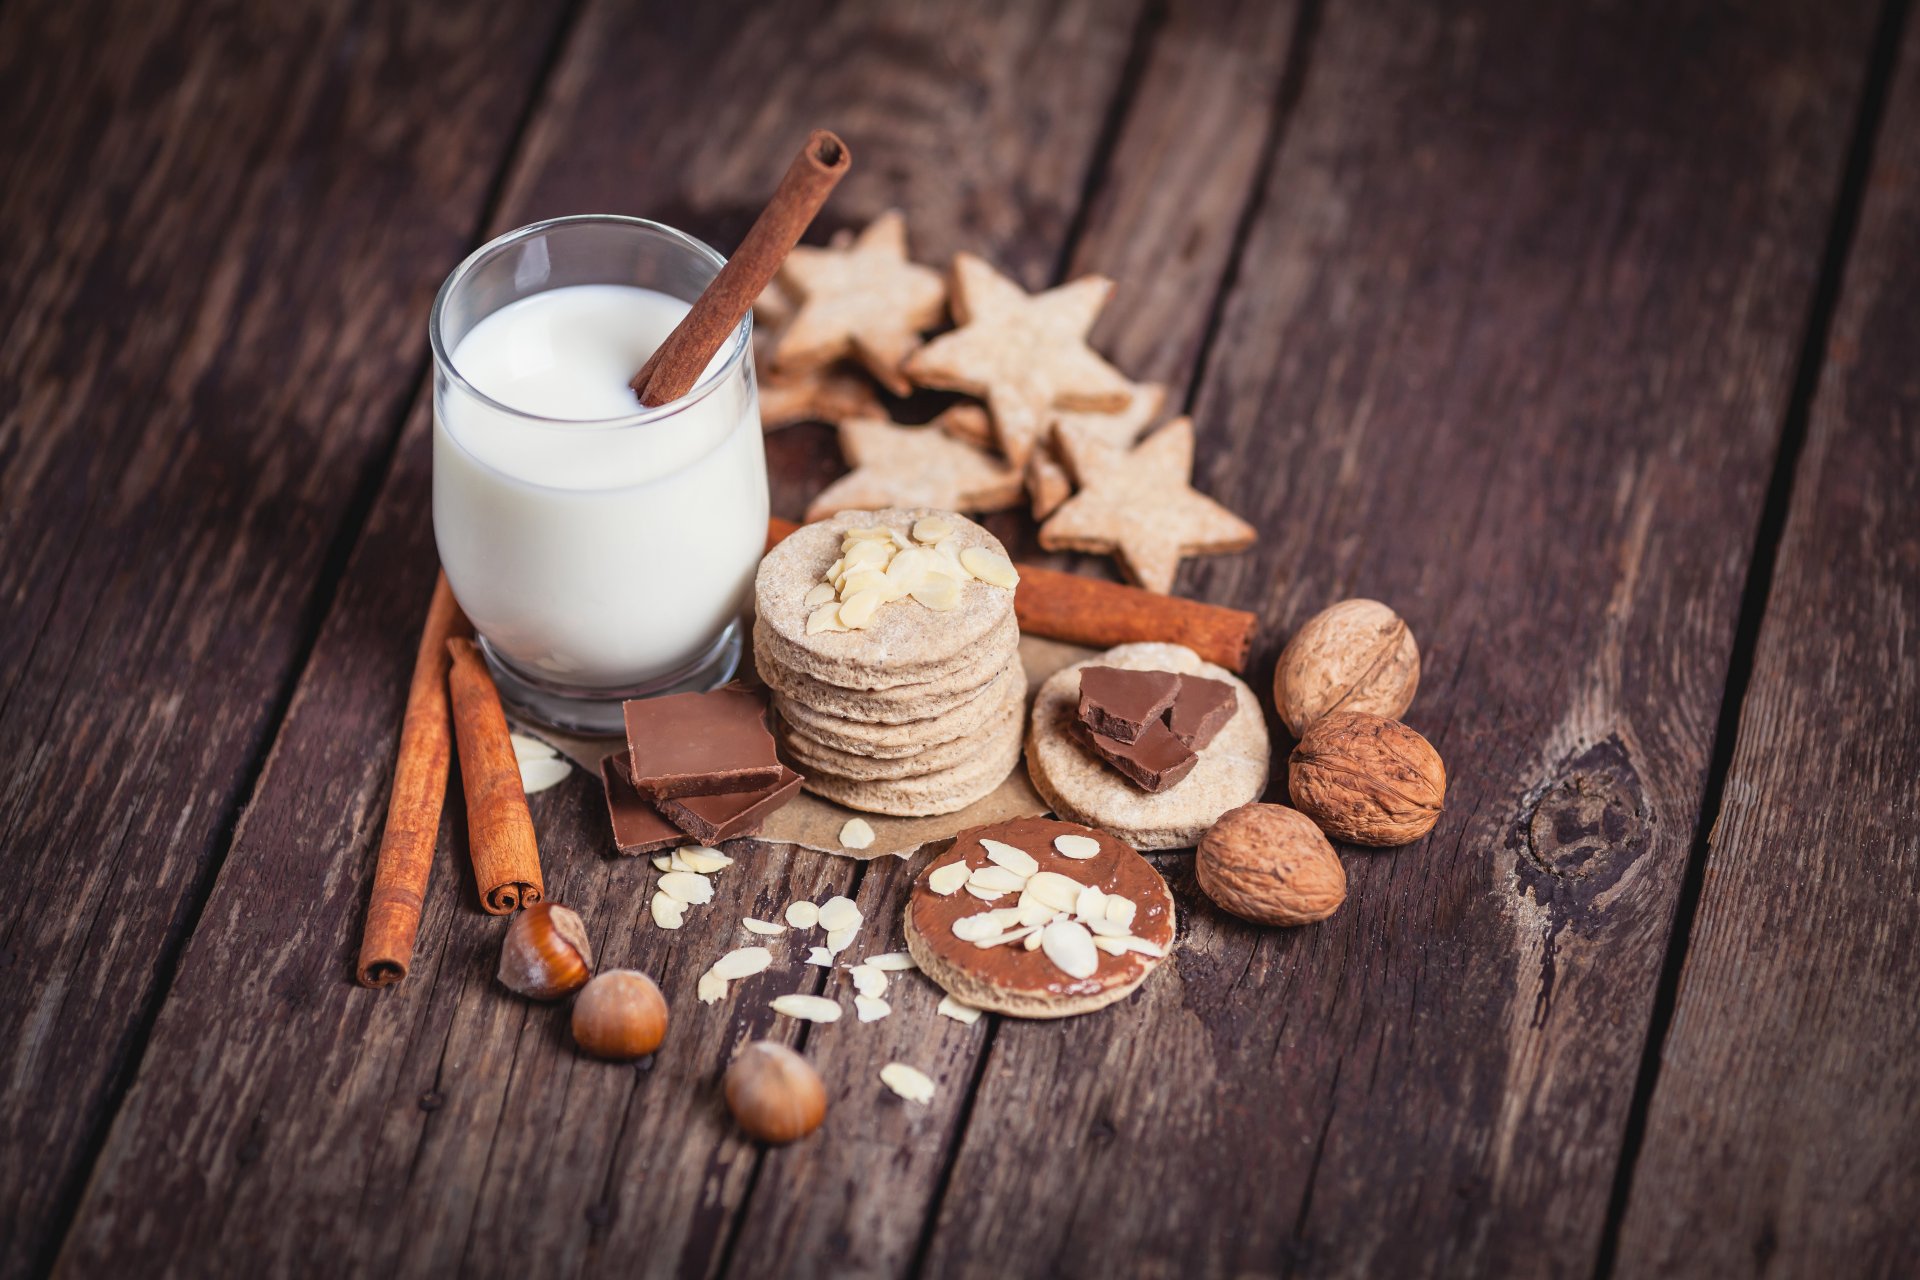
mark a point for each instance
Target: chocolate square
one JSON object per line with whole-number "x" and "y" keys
{"x": 711, "y": 819}
{"x": 1153, "y": 763}
{"x": 637, "y": 826}
{"x": 1119, "y": 704}
{"x": 701, "y": 744}
{"x": 1202, "y": 710}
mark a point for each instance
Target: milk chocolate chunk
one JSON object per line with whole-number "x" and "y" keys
{"x": 711, "y": 819}
{"x": 1202, "y": 710}
{"x": 637, "y": 825}
{"x": 1119, "y": 704}
{"x": 1154, "y": 763}
{"x": 701, "y": 744}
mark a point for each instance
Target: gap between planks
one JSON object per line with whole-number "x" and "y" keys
{"x": 1870, "y": 116}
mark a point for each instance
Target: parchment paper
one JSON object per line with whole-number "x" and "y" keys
{"x": 810, "y": 822}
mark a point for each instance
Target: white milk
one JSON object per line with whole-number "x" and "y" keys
{"x": 597, "y": 551}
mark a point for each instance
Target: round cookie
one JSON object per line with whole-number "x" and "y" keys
{"x": 1008, "y": 978}
{"x": 1232, "y": 770}
{"x": 945, "y": 791}
{"x": 904, "y": 643}
{"x": 892, "y": 741}
{"x": 810, "y": 755}
{"x": 899, "y": 703}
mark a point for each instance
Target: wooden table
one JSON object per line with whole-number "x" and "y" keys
{"x": 1587, "y": 335}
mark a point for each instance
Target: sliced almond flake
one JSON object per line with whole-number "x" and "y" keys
{"x": 1037, "y": 912}
{"x": 821, "y": 594}
{"x": 820, "y": 956}
{"x": 871, "y": 1008}
{"x": 825, "y": 618}
{"x": 856, "y": 834}
{"x": 973, "y": 928}
{"x": 765, "y": 928}
{"x": 1071, "y": 949}
{"x": 985, "y": 895}
{"x": 839, "y": 940}
{"x": 526, "y": 747}
{"x": 940, "y": 594}
{"x": 867, "y": 980}
{"x": 807, "y": 1008}
{"x": 1106, "y": 927}
{"x": 910, "y": 1083}
{"x": 686, "y": 886}
{"x": 1076, "y": 846}
{"x": 892, "y": 961}
{"x": 538, "y": 775}
{"x": 698, "y": 857}
{"x": 1120, "y": 946}
{"x": 742, "y": 962}
{"x": 1016, "y": 860}
{"x": 1002, "y": 939}
{"x": 947, "y": 880}
{"x": 951, "y": 1008}
{"x": 802, "y": 914}
{"x": 711, "y": 988}
{"x": 1033, "y": 940}
{"x": 997, "y": 878}
{"x": 838, "y": 913}
{"x": 990, "y": 567}
{"x": 1091, "y": 904}
{"x": 668, "y": 912}
{"x": 931, "y": 529}
{"x": 1121, "y": 908}
{"x": 900, "y": 539}
{"x": 1057, "y": 891}
{"x": 661, "y": 862}
{"x": 864, "y": 580}
{"x": 835, "y": 569}
{"x": 871, "y": 533}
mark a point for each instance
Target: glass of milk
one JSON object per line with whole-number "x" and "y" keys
{"x": 603, "y": 551}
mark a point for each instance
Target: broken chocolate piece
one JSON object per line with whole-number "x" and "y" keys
{"x": 1202, "y": 710}
{"x": 637, "y": 826}
{"x": 1119, "y": 704}
{"x": 711, "y": 819}
{"x": 701, "y": 744}
{"x": 1153, "y": 763}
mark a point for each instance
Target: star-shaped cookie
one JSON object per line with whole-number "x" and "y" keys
{"x": 896, "y": 466}
{"x": 864, "y": 300}
{"x": 831, "y": 394}
{"x": 1024, "y": 354}
{"x": 1140, "y": 507}
{"x": 1048, "y": 482}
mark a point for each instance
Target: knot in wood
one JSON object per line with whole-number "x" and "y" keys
{"x": 1594, "y": 810}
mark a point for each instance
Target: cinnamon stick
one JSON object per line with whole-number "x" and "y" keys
{"x": 673, "y": 369}
{"x": 413, "y": 807}
{"x": 506, "y": 861}
{"x": 1088, "y": 611}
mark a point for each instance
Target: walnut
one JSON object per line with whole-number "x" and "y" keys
{"x": 1367, "y": 779}
{"x": 1357, "y": 655}
{"x": 1269, "y": 864}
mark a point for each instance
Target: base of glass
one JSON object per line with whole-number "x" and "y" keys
{"x": 596, "y": 713}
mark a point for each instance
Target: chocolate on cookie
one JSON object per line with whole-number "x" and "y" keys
{"x": 1039, "y": 919}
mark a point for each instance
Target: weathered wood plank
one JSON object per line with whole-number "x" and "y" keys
{"x": 532, "y": 1160}
{"x": 1184, "y": 167}
{"x": 1510, "y": 346}
{"x": 1789, "y": 1078}
{"x": 216, "y": 230}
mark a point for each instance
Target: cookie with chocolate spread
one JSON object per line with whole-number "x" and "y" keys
{"x": 1039, "y": 919}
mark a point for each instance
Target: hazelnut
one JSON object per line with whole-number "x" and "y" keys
{"x": 1357, "y": 655}
{"x": 546, "y": 953}
{"x": 1367, "y": 779}
{"x": 774, "y": 1093}
{"x": 1269, "y": 864}
{"x": 620, "y": 1015}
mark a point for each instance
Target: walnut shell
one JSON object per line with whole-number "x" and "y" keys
{"x": 1269, "y": 864}
{"x": 1357, "y": 655}
{"x": 1367, "y": 779}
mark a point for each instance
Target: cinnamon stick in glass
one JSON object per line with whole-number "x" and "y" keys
{"x": 673, "y": 369}
{"x": 506, "y": 861}
{"x": 413, "y": 808}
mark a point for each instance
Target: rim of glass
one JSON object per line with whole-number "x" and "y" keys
{"x": 443, "y": 359}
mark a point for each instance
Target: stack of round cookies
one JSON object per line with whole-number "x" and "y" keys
{"x": 889, "y": 642}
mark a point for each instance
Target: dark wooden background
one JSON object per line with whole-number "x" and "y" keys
{"x": 1586, "y": 334}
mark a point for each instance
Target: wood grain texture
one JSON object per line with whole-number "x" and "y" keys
{"x": 1510, "y": 348}
{"x": 217, "y": 230}
{"x": 443, "y": 1124}
{"x": 1784, "y": 1132}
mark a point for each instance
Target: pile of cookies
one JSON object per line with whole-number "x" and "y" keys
{"x": 888, "y": 639}
{"x": 1056, "y": 422}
